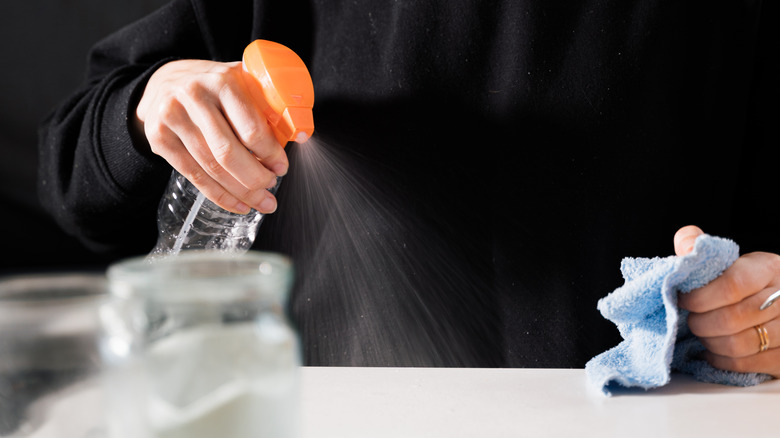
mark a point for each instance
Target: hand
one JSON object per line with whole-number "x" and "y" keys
{"x": 725, "y": 312}
{"x": 200, "y": 117}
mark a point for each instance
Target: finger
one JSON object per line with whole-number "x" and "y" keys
{"x": 684, "y": 239}
{"x": 211, "y": 169}
{"x": 272, "y": 156}
{"x": 228, "y": 152}
{"x": 744, "y": 343}
{"x": 750, "y": 273}
{"x": 767, "y": 362}
{"x": 166, "y": 143}
{"x": 251, "y": 127}
{"x": 733, "y": 319}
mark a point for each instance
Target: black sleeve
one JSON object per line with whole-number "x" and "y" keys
{"x": 98, "y": 182}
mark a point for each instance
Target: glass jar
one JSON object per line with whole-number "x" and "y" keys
{"x": 198, "y": 345}
{"x": 49, "y": 357}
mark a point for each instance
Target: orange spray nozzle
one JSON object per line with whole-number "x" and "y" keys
{"x": 285, "y": 89}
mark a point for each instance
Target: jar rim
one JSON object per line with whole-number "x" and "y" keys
{"x": 203, "y": 275}
{"x": 51, "y": 288}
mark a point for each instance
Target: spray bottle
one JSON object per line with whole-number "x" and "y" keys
{"x": 186, "y": 219}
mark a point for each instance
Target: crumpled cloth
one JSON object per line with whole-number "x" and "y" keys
{"x": 656, "y": 336}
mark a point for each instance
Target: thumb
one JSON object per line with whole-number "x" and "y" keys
{"x": 684, "y": 239}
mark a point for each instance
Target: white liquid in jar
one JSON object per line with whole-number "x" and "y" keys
{"x": 224, "y": 381}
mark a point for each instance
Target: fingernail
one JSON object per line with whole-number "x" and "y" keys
{"x": 268, "y": 205}
{"x": 279, "y": 169}
{"x": 242, "y": 208}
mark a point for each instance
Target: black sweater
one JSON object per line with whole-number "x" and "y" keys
{"x": 480, "y": 167}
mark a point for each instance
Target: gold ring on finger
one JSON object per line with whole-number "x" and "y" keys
{"x": 763, "y": 338}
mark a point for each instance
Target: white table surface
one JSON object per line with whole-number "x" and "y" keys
{"x": 492, "y": 403}
{"x": 451, "y": 402}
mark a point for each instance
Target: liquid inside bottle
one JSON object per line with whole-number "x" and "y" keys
{"x": 187, "y": 220}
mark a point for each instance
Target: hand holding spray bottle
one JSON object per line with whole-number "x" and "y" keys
{"x": 187, "y": 220}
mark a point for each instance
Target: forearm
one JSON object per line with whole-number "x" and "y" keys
{"x": 95, "y": 180}
{"x": 99, "y": 175}
{"x": 100, "y": 182}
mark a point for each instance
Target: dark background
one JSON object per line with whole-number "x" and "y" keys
{"x": 44, "y": 50}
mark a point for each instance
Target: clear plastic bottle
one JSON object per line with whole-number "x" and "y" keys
{"x": 187, "y": 220}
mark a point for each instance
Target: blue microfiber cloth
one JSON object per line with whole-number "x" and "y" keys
{"x": 656, "y": 337}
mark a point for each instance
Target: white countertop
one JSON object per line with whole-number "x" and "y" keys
{"x": 451, "y": 402}
{"x": 494, "y": 403}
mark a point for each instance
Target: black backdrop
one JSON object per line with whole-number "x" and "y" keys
{"x": 44, "y": 49}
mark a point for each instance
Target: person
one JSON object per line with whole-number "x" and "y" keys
{"x": 478, "y": 169}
